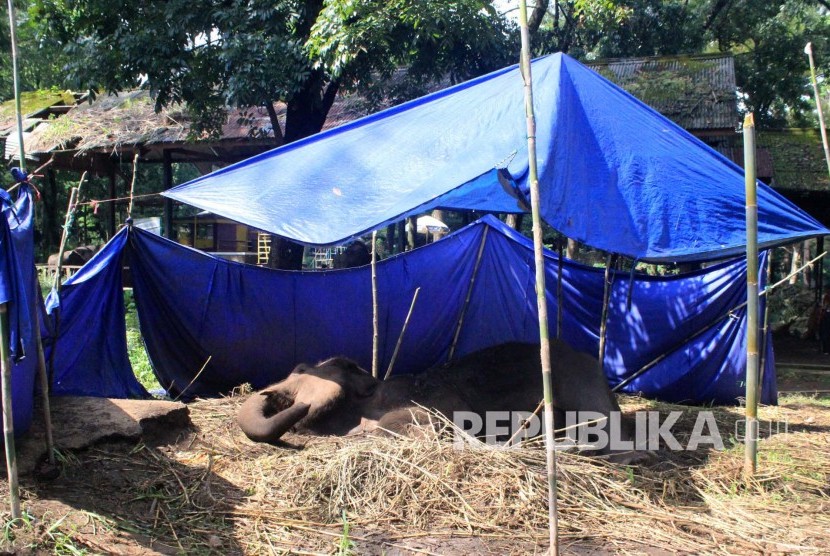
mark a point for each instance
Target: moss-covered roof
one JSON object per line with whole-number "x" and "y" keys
{"x": 797, "y": 159}
{"x": 32, "y": 102}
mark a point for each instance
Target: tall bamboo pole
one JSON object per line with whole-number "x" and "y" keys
{"x": 751, "y": 446}
{"x": 5, "y": 352}
{"x": 808, "y": 50}
{"x": 541, "y": 298}
{"x": 375, "y": 318}
{"x": 8, "y": 421}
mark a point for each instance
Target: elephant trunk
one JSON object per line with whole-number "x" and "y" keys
{"x": 259, "y": 428}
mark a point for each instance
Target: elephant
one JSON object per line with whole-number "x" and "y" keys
{"x": 337, "y": 397}
{"x": 75, "y": 257}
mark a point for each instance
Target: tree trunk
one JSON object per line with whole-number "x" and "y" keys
{"x": 572, "y": 249}
{"x": 795, "y": 263}
{"x": 410, "y": 233}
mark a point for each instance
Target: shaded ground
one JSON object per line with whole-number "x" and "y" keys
{"x": 205, "y": 489}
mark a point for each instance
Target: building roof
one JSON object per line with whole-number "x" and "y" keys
{"x": 698, "y": 92}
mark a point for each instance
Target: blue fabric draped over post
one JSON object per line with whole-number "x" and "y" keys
{"x": 256, "y": 324}
{"x": 613, "y": 173}
{"x": 19, "y": 290}
{"x": 90, "y": 348}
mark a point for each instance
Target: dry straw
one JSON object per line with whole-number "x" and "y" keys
{"x": 426, "y": 487}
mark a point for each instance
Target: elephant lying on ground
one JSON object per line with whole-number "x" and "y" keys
{"x": 337, "y": 397}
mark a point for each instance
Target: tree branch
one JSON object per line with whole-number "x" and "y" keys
{"x": 537, "y": 15}
{"x": 719, "y": 6}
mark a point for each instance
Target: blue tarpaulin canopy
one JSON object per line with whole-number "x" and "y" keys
{"x": 614, "y": 173}
{"x": 255, "y": 324}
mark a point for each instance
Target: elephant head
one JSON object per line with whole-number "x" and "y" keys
{"x": 324, "y": 399}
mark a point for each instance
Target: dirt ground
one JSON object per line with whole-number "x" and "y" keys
{"x": 204, "y": 489}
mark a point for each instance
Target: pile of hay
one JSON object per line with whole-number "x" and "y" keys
{"x": 404, "y": 488}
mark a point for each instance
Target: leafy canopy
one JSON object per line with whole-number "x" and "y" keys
{"x": 213, "y": 53}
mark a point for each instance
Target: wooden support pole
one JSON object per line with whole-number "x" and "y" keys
{"x": 606, "y": 298}
{"x": 8, "y": 421}
{"x": 41, "y": 369}
{"x": 400, "y": 337}
{"x": 765, "y": 329}
{"x": 67, "y": 224}
{"x": 541, "y": 294}
{"x": 469, "y": 294}
{"x": 375, "y": 317}
{"x": 751, "y": 443}
{"x": 168, "y": 203}
{"x": 112, "y": 206}
{"x": 808, "y": 50}
{"x": 45, "y": 388}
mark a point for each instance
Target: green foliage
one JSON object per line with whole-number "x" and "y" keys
{"x": 139, "y": 360}
{"x": 209, "y": 53}
{"x": 767, "y": 39}
{"x": 345, "y": 546}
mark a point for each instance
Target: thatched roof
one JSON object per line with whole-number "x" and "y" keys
{"x": 696, "y": 92}
{"x": 128, "y": 120}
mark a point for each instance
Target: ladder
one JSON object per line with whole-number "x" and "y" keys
{"x": 263, "y": 248}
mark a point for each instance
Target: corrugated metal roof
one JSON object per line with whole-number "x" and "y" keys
{"x": 696, "y": 92}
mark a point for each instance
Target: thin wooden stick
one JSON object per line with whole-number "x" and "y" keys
{"x": 651, "y": 364}
{"x": 375, "y": 316}
{"x": 195, "y": 378}
{"x": 765, "y": 329}
{"x": 45, "y": 389}
{"x": 400, "y": 337}
{"x": 808, "y": 50}
{"x": 132, "y": 186}
{"x": 526, "y": 422}
{"x": 541, "y": 291}
{"x": 606, "y": 298}
{"x": 751, "y": 441}
{"x": 8, "y": 416}
{"x": 469, "y": 293}
{"x": 67, "y": 225}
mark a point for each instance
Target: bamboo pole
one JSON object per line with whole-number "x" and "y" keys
{"x": 8, "y": 420}
{"x": 469, "y": 293}
{"x": 41, "y": 359}
{"x": 400, "y": 337}
{"x": 606, "y": 298}
{"x": 751, "y": 446}
{"x": 541, "y": 297}
{"x": 67, "y": 225}
{"x": 808, "y": 50}
{"x": 375, "y": 318}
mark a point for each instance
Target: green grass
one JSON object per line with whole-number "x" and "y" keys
{"x": 135, "y": 346}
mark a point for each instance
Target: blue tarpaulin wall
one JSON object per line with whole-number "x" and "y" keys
{"x": 19, "y": 289}
{"x": 613, "y": 173}
{"x": 255, "y": 324}
{"x": 91, "y": 348}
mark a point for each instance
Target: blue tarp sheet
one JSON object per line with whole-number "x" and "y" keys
{"x": 613, "y": 173}
{"x": 255, "y": 324}
{"x": 19, "y": 288}
{"x": 90, "y": 356}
